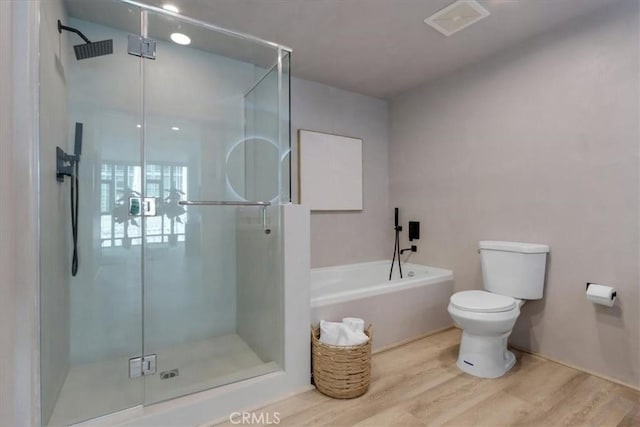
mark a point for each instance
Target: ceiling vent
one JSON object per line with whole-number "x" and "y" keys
{"x": 457, "y": 16}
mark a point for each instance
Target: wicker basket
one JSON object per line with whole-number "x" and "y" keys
{"x": 339, "y": 371}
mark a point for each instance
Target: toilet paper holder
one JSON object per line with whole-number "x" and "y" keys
{"x": 613, "y": 295}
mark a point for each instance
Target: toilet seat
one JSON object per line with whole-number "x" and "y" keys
{"x": 482, "y": 302}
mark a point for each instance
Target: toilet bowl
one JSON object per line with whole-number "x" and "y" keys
{"x": 487, "y": 321}
{"x": 512, "y": 273}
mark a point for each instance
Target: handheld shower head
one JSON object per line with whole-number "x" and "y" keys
{"x": 89, "y": 49}
{"x": 77, "y": 148}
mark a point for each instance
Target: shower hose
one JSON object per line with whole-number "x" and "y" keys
{"x": 75, "y": 198}
{"x": 396, "y": 250}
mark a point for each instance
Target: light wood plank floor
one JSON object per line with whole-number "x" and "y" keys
{"x": 418, "y": 384}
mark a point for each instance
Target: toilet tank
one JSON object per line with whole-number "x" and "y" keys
{"x": 513, "y": 269}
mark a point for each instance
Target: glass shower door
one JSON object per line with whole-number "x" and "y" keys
{"x": 212, "y": 279}
{"x": 91, "y": 321}
{"x": 195, "y": 288}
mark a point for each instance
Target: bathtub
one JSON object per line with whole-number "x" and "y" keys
{"x": 399, "y": 310}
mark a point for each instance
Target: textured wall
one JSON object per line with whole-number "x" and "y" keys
{"x": 347, "y": 237}
{"x": 537, "y": 144}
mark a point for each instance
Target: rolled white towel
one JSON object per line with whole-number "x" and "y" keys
{"x": 337, "y": 333}
{"x": 329, "y": 332}
{"x": 354, "y": 323}
{"x": 349, "y": 337}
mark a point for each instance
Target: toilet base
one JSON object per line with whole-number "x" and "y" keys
{"x": 485, "y": 356}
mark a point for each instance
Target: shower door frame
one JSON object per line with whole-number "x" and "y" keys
{"x": 147, "y": 7}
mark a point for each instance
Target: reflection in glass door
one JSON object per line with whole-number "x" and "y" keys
{"x": 213, "y": 287}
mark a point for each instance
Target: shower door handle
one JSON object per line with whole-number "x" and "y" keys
{"x": 222, "y": 203}
{"x": 262, "y": 205}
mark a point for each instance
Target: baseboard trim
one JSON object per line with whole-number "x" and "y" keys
{"x": 410, "y": 340}
{"x": 577, "y": 368}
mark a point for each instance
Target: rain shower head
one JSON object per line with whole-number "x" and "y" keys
{"x": 88, "y": 49}
{"x": 91, "y": 50}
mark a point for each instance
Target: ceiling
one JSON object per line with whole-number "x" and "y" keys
{"x": 380, "y": 47}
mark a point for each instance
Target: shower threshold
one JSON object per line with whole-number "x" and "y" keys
{"x": 101, "y": 388}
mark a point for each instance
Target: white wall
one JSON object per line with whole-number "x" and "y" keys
{"x": 7, "y": 309}
{"x": 259, "y": 286}
{"x": 19, "y": 361}
{"x": 347, "y": 237}
{"x": 537, "y": 144}
{"x": 54, "y": 200}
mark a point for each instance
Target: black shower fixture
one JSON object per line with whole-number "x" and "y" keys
{"x": 396, "y": 248}
{"x": 413, "y": 248}
{"x": 89, "y": 49}
{"x": 414, "y": 231}
{"x": 414, "y": 234}
{"x": 68, "y": 165}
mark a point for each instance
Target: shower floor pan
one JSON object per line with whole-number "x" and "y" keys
{"x": 101, "y": 388}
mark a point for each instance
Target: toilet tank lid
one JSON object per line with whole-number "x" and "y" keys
{"x": 525, "y": 248}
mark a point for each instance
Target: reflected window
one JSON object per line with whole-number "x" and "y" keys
{"x": 166, "y": 182}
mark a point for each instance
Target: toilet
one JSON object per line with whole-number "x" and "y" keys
{"x": 512, "y": 273}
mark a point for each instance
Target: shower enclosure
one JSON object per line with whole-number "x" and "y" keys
{"x": 184, "y": 163}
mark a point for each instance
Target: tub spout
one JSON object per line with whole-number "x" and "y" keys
{"x": 413, "y": 248}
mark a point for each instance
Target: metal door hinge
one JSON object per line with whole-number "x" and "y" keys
{"x": 141, "y": 46}
{"x": 142, "y": 366}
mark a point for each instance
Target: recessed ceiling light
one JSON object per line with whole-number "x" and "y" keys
{"x": 138, "y": 126}
{"x": 175, "y": 128}
{"x": 180, "y": 38}
{"x": 170, "y": 8}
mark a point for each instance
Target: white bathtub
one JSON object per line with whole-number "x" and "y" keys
{"x": 400, "y": 309}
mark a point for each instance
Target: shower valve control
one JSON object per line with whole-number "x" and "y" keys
{"x": 142, "y": 366}
{"x": 414, "y": 230}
